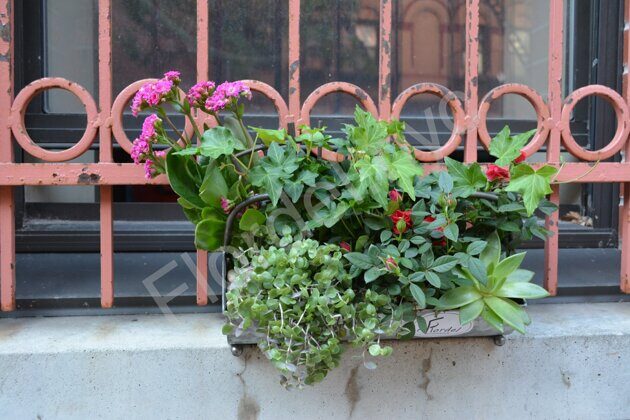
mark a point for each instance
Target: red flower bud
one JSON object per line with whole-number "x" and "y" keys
{"x": 391, "y": 264}
{"x": 520, "y": 157}
{"x": 345, "y": 245}
{"x": 404, "y": 217}
{"x": 394, "y": 195}
{"x": 495, "y": 172}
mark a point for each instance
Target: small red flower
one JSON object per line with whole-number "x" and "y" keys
{"x": 520, "y": 157}
{"x": 391, "y": 264}
{"x": 394, "y": 195}
{"x": 439, "y": 242}
{"x": 431, "y": 219}
{"x": 399, "y": 217}
{"x": 495, "y": 172}
{"x": 345, "y": 245}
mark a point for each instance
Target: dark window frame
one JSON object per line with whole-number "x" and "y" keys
{"x": 132, "y": 234}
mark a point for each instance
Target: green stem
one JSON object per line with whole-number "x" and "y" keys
{"x": 170, "y": 123}
{"x": 194, "y": 124}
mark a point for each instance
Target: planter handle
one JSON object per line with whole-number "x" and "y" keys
{"x": 227, "y": 235}
{"x": 485, "y": 195}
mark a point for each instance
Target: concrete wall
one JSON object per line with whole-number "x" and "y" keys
{"x": 574, "y": 364}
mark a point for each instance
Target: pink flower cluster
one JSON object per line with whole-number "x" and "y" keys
{"x": 227, "y": 93}
{"x": 141, "y": 148}
{"x": 153, "y": 94}
{"x": 199, "y": 93}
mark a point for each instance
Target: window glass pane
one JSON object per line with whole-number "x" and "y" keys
{"x": 513, "y": 48}
{"x": 151, "y": 37}
{"x": 70, "y": 30}
{"x": 249, "y": 40}
{"x": 339, "y": 42}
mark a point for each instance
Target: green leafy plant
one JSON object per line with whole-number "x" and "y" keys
{"x": 301, "y": 301}
{"x": 487, "y": 286}
{"x": 349, "y": 249}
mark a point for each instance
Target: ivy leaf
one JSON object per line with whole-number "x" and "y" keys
{"x": 373, "y": 176}
{"x": 294, "y": 190}
{"x": 445, "y": 182}
{"x": 403, "y": 168}
{"x": 269, "y": 178}
{"x": 531, "y": 184}
{"x": 307, "y": 177}
{"x": 219, "y": 141}
{"x": 467, "y": 178}
{"x": 369, "y": 135}
{"x": 269, "y": 136}
{"x": 506, "y": 148}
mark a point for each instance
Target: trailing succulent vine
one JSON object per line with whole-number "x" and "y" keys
{"x": 349, "y": 249}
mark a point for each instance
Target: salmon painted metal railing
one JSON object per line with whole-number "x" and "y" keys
{"x": 105, "y": 120}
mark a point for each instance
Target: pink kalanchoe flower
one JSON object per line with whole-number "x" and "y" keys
{"x": 216, "y": 102}
{"x": 199, "y": 93}
{"x": 148, "y": 169}
{"x": 173, "y": 76}
{"x": 161, "y": 154}
{"x": 151, "y": 95}
{"x": 227, "y": 93}
{"x": 226, "y": 205}
{"x": 394, "y": 195}
{"x": 139, "y": 150}
{"x": 148, "y": 127}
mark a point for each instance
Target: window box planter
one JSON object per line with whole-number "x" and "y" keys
{"x": 440, "y": 324}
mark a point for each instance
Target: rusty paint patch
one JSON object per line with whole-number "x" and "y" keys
{"x": 5, "y": 32}
{"x": 360, "y": 94}
{"x": 293, "y": 68}
{"x": 88, "y": 179}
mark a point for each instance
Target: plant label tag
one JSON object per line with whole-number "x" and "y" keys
{"x": 443, "y": 324}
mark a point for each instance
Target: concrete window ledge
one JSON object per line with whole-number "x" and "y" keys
{"x": 574, "y": 363}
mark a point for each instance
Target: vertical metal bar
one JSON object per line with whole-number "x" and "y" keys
{"x": 556, "y": 43}
{"x": 471, "y": 96}
{"x": 203, "y": 73}
{"x": 624, "y": 216}
{"x": 105, "y": 150}
{"x": 294, "y": 61}
{"x": 7, "y": 220}
{"x": 385, "y": 61}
